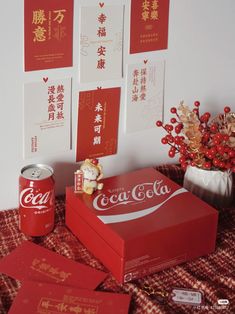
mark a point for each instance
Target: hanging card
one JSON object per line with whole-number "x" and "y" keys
{"x": 48, "y": 34}
{"x": 47, "y": 117}
{"x": 145, "y": 86}
{"x": 149, "y": 25}
{"x": 98, "y": 123}
{"x": 101, "y": 43}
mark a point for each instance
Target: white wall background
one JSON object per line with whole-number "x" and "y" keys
{"x": 200, "y": 64}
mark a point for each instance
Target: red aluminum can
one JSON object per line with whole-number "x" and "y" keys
{"x": 37, "y": 200}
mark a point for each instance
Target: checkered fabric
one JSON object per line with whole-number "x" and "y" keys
{"x": 212, "y": 274}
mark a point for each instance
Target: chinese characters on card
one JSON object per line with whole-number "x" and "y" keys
{"x": 149, "y": 25}
{"x": 47, "y": 117}
{"x": 145, "y": 83}
{"x": 101, "y": 43}
{"x": 98, "y": 118}
{"x": 48, "y": 30}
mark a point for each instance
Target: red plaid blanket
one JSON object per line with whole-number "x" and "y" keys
{"x": 212, "y": 274}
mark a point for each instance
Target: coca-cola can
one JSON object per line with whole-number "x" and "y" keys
{"x": 36, "y": 200}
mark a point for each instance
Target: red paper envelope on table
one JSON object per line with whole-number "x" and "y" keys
{"x": 35, "y": 297}
{"x": 33, "y": 262}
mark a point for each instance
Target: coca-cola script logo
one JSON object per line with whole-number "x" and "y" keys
{"x": 30, "y": 199}
{"x": 139, "y": 193}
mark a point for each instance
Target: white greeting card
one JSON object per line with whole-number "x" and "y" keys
{"x": 101, "y": 43}
{"x": 47, "y": 117}
{"x": 144, "y": 97}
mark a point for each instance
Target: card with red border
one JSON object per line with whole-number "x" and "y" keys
{"x": 149, "y": 25}
{"x": 36, "y": 297}
{"x": 30, "y": 261}
{"x": 48, "y": 34}
{"x": 98, "y": 118}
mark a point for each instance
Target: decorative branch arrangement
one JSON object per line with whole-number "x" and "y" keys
{"x": 201, "y": 141}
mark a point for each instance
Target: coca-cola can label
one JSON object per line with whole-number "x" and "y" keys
{"x": 36, "y": 200}
{"x": 78, "y": 181}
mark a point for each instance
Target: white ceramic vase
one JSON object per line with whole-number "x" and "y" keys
{"x": 213, "y": 186}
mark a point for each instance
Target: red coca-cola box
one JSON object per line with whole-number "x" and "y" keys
{"x": 141, "y": 222}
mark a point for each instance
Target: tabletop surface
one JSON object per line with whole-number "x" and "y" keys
{"x": 212, "y": 274}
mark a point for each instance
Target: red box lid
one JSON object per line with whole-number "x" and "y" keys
{"x": 136, "y": 204}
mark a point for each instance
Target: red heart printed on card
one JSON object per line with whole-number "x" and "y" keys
{"x": 101, "y": 4}
{"x": 145, "y": 61}
{"x": 45, "y": 79}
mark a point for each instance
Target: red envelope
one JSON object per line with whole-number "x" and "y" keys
{"x": 33, "y": 262}
{"x": 35, "y": 297}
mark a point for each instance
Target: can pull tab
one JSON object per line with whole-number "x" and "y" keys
{"x": 36, "y": 173}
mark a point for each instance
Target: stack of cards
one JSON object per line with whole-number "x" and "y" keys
{"x": 52, "y": 283}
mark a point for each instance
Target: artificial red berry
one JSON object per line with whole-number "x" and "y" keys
{"x": 197, "y": 103}
{"x": 231, "y": 153}
{"x": 213, "y": 150}
{"x": 207, "y": 165}
{"x": 216, "y": 162}
{"x": 170, "y": 127}
{"x": 177, "y": 140}
{"x": 227, "y": 109}
{"x": 183, "y": 150}
{"x": 159, "y": 123}
{"x": 214, "y": 128}
{"x": 220, "y": 149}
{"x": 171, "y": 153}
{"x": 207, "y": 115}
{"x": 182, "y": 159}
{"x": 221, "y": 164}
{"x": 173, "y": 120}
{"x": 164, "y": 140}
{"x": 226, "y": 137}
{"x": 178, "y": 128}
{"x": 170, "y": 138}
{"x": 173, "y": 110}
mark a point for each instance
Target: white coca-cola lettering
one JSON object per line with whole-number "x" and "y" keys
{"x": 29, "y": 199}
{"x": 139, "y": 193}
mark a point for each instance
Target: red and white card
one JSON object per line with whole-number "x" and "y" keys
{"x": 48, "y": 34}
{"x": 101, "y": 42}
{"x": 149, "y": 25}
{"x": 98, "y": 117}
{"x": 47, "y": 106}
{"x": 33, "y": 262}
{"x": 145, "y": 91}
{"x": 35, "y": 297}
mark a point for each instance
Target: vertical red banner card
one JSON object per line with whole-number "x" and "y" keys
{"x": 33, "y": 262}
{"x": 48, "y": 34}
{"x": 36, "y": 297}
{"x": 149, "y": 25}
{"x": 98, "y": 117}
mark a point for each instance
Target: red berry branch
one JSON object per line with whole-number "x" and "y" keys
{"x": 199, "y": 140}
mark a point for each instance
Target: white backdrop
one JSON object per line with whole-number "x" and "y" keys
{"x": 200, "y": 64}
